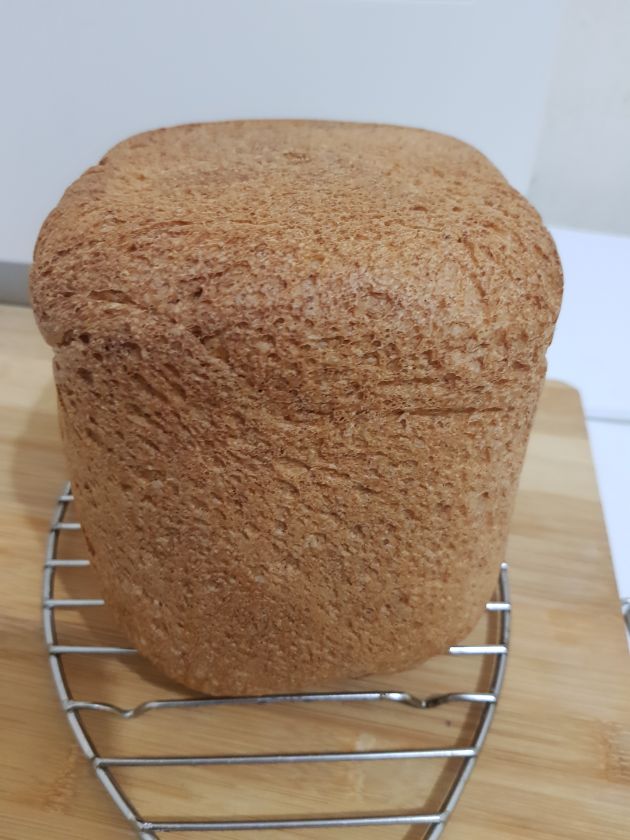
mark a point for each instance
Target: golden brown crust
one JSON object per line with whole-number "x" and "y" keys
{"x": 297, "y": 364}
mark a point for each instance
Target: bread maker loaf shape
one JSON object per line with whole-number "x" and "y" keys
{"x": 297, "y": 365}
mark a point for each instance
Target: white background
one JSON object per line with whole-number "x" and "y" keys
{"x": 79, "y": 75}
{"x": 541, "y": 86}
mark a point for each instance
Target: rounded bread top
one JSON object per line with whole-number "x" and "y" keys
{"x": 355, "y": 243}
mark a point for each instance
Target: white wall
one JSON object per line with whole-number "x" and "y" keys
{"x": 79, "y": 75}
{"x": 582, "y": 173}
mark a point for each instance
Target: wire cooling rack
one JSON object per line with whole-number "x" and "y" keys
{"x": 430, "y": 822}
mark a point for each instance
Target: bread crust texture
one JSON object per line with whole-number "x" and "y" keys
{"x": 297, "y": 364}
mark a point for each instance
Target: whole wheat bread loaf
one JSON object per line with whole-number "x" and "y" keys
{"x": 297, "y": 364}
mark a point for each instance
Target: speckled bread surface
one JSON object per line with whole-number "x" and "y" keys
{"x": 297, "y": 364}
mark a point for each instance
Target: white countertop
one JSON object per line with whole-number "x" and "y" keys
{"x": 591, "y": 351}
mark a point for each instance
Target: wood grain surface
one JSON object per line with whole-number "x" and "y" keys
{"x": 557, "y": 760}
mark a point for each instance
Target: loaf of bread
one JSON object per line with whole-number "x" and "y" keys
{"x": 297, "y": 365}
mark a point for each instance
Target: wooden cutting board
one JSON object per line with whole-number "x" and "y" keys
{"x": 556, "y": 763}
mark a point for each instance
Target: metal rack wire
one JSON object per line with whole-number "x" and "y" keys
{"x": 433, "y": 820}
